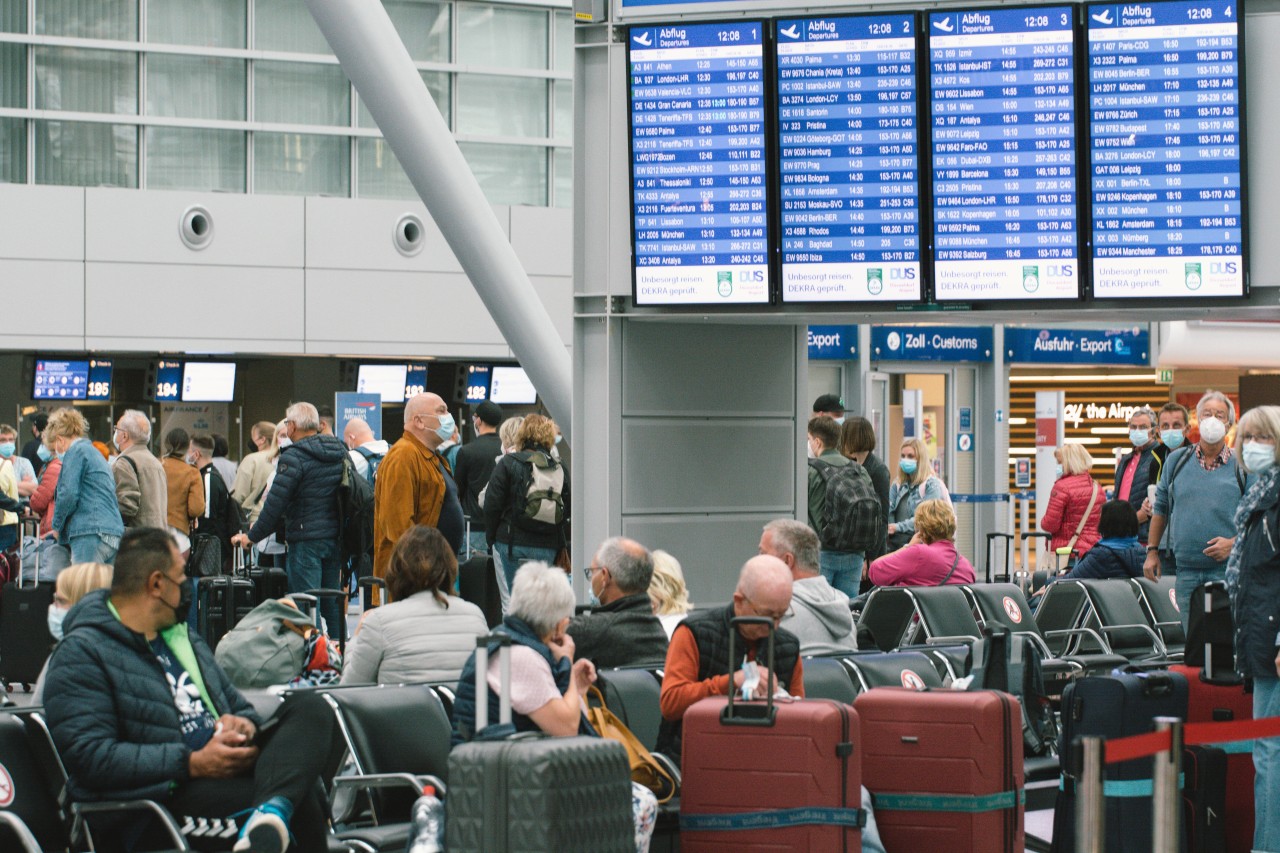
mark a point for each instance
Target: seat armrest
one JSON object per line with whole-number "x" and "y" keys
{"x": 957, "y": 640}
{"x": 1155, "y": 638}
{"x": 670, "y": 766}
{"x": 392, "y": 780}
{"x": 1106, "y": 647}
{"x": 19, "y": 830}
{"x": 81, "y": 810}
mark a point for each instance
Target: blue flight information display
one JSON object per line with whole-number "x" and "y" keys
{"x": 1003, "y": 137}
{"x": 699, "y": 189}
{"x": 1165, "y": 149}
{"x": 168, "y": 381}
{"x": 850, "y": 159}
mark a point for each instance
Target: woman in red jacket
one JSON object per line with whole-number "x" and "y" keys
{"x": 1075, "y": 496}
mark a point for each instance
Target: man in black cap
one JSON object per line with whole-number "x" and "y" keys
{"x": 829, "y": 406}
{"x": 475, "y": 464}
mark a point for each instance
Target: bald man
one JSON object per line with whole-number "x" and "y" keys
{"x": 414, "y": 484}
{"x": 366, "y": 452}
{"x": 698, "y": 662}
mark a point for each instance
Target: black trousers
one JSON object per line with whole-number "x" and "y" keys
{"x": 300, "y": 753}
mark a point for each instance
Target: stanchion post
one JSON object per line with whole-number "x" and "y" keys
{"x": 1166, "y": 798}
{"x": 1023, "y": 529}
{"x": 1091, "y": 808}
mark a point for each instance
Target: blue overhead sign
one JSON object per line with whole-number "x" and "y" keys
{"x": 833, "y": 343}
{"x": 931, "y": 343}
{"x": 1077, "y": 346}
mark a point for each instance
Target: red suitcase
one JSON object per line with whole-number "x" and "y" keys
{"x": 944, "y": 768}
{"x": 1221, "y": 703}
{"x": 771, "y": 776}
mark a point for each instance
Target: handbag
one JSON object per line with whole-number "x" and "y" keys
{"x": 1093, "y": 498}
{"x": 562, "y": 561}
{"x": 266, "y": 647}
{"x": 645, "y": 769}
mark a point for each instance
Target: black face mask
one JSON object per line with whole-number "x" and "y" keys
{"x": 253, "y": 448}
{"x": 186, "y": 591}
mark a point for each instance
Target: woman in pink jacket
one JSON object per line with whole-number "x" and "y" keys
{"x": 1075, "y": 496}
{"x": 931, "y": 558}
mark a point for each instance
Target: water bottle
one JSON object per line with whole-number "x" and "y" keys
{"x": 427, "y": 835}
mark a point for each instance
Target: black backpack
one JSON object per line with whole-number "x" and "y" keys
{"x": 851, "y": 519}
{"x": 355, "y": 513}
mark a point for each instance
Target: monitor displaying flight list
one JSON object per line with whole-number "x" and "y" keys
{"x": 700, "y": 218}
{"x": 1166, "y": 149}
{"x": 850, "y": 160}
{"x": 82, "y": 379}
{"x": 1003, "y": 137}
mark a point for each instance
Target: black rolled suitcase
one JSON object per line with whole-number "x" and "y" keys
{"x": 25, "y": 641}
{"x": 1204, "y": 798}
{"x": 221, "y": 602}
{"x": 534, "y": 793}
{"x": 478, "y": 584}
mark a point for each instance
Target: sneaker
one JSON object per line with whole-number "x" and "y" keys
{"x": 267, "y": 829}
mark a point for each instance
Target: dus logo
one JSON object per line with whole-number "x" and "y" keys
{"x": 902, "y": 274}
{"x": 745, "y": 276}
{"x": 1065, "y": 270}
{"x": 1222, "y": 267}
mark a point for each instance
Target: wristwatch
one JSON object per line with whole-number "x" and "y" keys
{"x": 1153, "y": 547}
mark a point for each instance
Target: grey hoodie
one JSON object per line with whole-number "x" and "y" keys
{"x": 820, "y": 617}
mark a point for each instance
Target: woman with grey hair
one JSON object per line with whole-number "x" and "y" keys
{"x": 1193, "y": 518}
{"x": 1253, "y": 580}
{"x": 548, "y": 688}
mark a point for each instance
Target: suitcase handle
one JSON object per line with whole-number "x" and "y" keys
{"x": 743, "y": 713}
{"x": 503, "y": 641}
{"x": 364, "y": 585}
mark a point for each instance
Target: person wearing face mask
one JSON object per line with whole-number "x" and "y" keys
{"x": 841, "y": 568}
{"x": 139, "y": 708}
{"x": 86, "y": 511}
{"x": 621, "y": 629}
{"x": 221, "y": 517}
{"x": 913, "y": 482}
{"x": 829, "y": 406}
{"x": 23, "y": 470}
{"x": 474, "y": 467}
{"x": 303, "y": 500}
{"x": 186, "y": 491}
{"x": 513, "y": 537}
{"x": 31, "y": 450}
{"x": 415, "y": 484}
{"x": 1075, "y": 504}
{"x": 42, "y": 499}
{"x": 142, "y": 486}
{"x": 74, "y": 582}
{"x": 270, "y": 551}
{"x": 1140, "y": 467}
{"x": 1193, "y": 518}
{"x": 1253, "y": 582}
{"x": 255, "y": 468}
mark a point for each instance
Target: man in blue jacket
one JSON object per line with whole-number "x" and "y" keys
{"x": 303, "y": 501}
{"x": 138, "y": 708}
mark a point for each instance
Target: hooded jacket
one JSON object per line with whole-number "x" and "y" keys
{"x": 820, "y": 617}
{"x": 304, "y": 495}
{"x": 111, "y": 709}
{"x": 1110, "y": 559}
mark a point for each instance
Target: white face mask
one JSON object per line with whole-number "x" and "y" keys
{"x": 285, "y": 441}
{"x": 809, "y": 447}
{"x": 1212, "y": 430}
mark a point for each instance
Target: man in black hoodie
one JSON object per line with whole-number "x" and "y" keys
{"x": 304, "y": 501}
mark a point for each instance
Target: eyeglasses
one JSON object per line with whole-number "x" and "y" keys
{"x": 766, "y": 614}
{"x": 1265, "y": 439}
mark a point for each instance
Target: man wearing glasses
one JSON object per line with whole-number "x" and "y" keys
{"x": 698, "y": 662}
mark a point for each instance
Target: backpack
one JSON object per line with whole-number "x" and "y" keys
{"x": 374, "y": 460}
{"x": 542, "y": 498}
{"x": 851, "y": 519}
{"x": 355, "y": 513}
{"x": 1011, "y": 662}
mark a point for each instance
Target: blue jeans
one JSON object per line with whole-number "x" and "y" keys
{"x": 507, "y": 559}
{"x": 313, "y": 565}
{"x": 1266, "y": 761}
{"x": 842, "y": 569}
{"x": 1186, "y": 581}
{"x": 478, "y": 543}
{"x": 94, "y": 548}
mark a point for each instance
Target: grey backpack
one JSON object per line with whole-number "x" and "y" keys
{"x": 266, "y": 647}
{"x": 543, "y": 496}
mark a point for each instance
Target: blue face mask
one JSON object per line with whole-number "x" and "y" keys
{"x": 1057, "y": 471}
{"x": 1258, "y": 457}
{"x": 447, "y": 426}
{"x": 58, "y": 454}
{"x": 1172, "y": 438}
{"x": 56, "y": 615}
{"x": 44, "y": 453}
{"x": 907, "y": 466}
{"x": 1139, "y": 437}
{"x": 7, "y": 448}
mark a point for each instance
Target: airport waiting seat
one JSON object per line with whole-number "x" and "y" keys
{"x": 828, "y": 678}
{"x": 892, "y": 669}
{"x": 945, "y": 615}
{"x": 1157, "y": 599}
{"x": 634, "y": 695}
{"x": 1121, "y": 620}
{"x": 887, "y": 615}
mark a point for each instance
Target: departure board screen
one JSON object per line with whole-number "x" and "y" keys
{"x": 850, "y": 159}
{"x": 1003, "y": 138}
{"x": 699, "y": 192}
{"x": 1165, "y": 149}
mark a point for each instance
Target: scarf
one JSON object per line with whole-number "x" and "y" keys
{"x": 1264, "y": 490}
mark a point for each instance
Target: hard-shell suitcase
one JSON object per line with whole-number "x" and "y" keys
{"x": 945, "y": 768}
{"x": 1204, "y": 799}
{"x": 1222, "y": 703}
{"x": 221, "y": 601}
{"x": 1114, "y": 706}
{"x": 268, "y": 581}
{"x": 25, "y": 640}
{"x": 533, "y": 793}
{"x": 770, "y": 775}
{"x": 477, "y": 584}
{"x": 1211, "y": 634}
